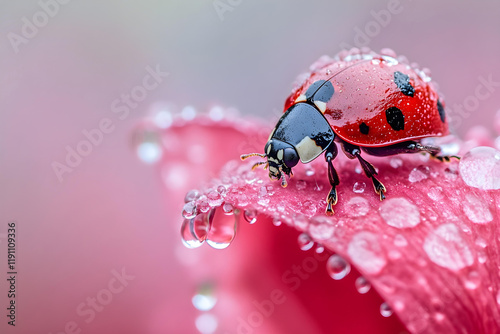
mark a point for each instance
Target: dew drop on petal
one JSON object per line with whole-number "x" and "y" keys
{"x": 366, "y": 253}
{"x": 321, "y": 228}
{"x": 480, "y": 168}
{"x": 359, "y": 187}
{"x": 206, "y": 323}
{"x": 189, "y": 210}
{"x": 250, "y": 215}
{"x": 476, "y": 209}
{"x": 221, "y": 190}
{"x": 357, "y": 207}
{"x": 301, "y": 185}
{"x": 320, "y": 249}
{"x": 362, "y": 285}
{"x": 396, "y": 162}
{"x": 337, "y": 267}
{"x": 418, "y": 174}
{"x": 435, "y": 193}
{"x": 202, "y": 204}
{"x": 480, "y": 242}
{"x": 191, "y": 195}
{"x": 446, "y": 248}
{"x": 305, "y": 242}
{"x": 400, "y": 241}
{"x": 472, "y": 281}
{"x": 214, "y": 198}
{"x": 399, "y": 212}
{"x": 385, "y": 310}
{"x": 228, "y": 208}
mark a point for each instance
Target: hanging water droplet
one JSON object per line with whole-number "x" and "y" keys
{"x": 228, "y": 208}
{"x": 189, "y": 210}
{"x": 202, "y": 204}
{"x": 191, "y": 195}
{"x": 250, "y": 215}
{"x": 188, "y": 238}
{"x": 206, "y": 323}
{"x": 320, "y": 249}
{"x": 337, "y": 267}
{"x": 359, "y": 187}
{"x": 385, "y": 310}
{"x": 305, "y": 242}
{"x": 362, "y": 285}
{"x": 276, "y": 221}
{"x": 222, "y": 229}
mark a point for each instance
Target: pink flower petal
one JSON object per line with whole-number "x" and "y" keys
{"x": 429, "y": 250}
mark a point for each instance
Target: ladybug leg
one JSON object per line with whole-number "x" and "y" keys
{"x": 333, "y": 177}
{"x": 408, "y": 147}
{"x": 353, "y": 151}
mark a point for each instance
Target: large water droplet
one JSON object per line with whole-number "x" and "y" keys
{"x": 222, "y": 229}
{"x": 362, "y": 285}
{"x": 399, "y": 212}
{"x": 337, "y": 267}
{"x": 385, "y": 310}
{"x": 480, "y": 168}
{"x": 476, "y": 209}
{"x": 305, "y": 242}
{"x": 418, "y": 174}
{"x": 357, "y": 207}
{"x": 446, "y": 248}
{"x": 366, "y": 253}
{"x": 189, "y": 238}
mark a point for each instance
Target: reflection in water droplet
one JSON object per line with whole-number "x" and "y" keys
{"x": 385, "y": 310}
{"x": 446, "y": 248}
{"x": 206, "y": 323}
{"x": 214, "y": 198}
{"x": 362, "y": 285}
{"x": 305, "y": 242}
{"x": 250, "y": 215}
{"x": 337, "y": 267}
{"x": 480, "y": 168}
{"x": 399, "y": 212}
{"x": 359, "y": 187}
{"x": 189, "y": 210}
{"x": 222, "y": 229}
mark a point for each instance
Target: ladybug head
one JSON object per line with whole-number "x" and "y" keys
{"x": 281, "y": 157}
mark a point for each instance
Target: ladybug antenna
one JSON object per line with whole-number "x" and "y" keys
{"x": 283, "y": 179}
{"x": 246, "y": 156}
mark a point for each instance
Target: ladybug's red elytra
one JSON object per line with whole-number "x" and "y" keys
{"x": 363, "y": 101}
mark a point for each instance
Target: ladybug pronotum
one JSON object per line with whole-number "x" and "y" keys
{"x": 365, "y": 102}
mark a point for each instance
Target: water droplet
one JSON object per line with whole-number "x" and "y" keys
{"x": 206, "y": 323}
{"x": 385, "y": 310}
{"x": 337, "y": 267}
{"x": 418, "y": 174}
{"x": 191, "y": 195}
{"x": 481, "y": 257}
{"x": 301, "y": 185}
{"x": 366, "y": 253}
{"x": 396, "y": 162}
{"x": 359, "y": 187}
{"x": 321, "y": 228}
{"x": 222, "y": 229}
{"x": 480, "y": 168}
{"x": 399, "y": 212}
{"x": 228, "y": 208}
{"x": 400, "y": 241}
{"x": 320, "y": 249}
{"x": 362, "y": 285}
{"x": 357, "y": 207}
{"x": 149, "y": 152}
{"x": 250, "y": 215}
{"x": 189, "y": 210}
{"x": 276, "y": 221}
{"x": 305, "y": 242}
{"x": 214, "y": 198}
{"x": 310, "y": 172}
{"x": 446, "y": 248}
{"x": 221, "y": 190}
{"x": 189, "y": 238}
{"x": 309, "y": 208}
{"x": 435, "y": 193}
{"x": 476, "y": 209}
{"x": 472, "y": 281}
{"x": 204, "y": 300}
{"x": 450, "y": 173}
{"x": 480, "y": 242}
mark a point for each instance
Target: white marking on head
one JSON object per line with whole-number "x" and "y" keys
{"x": 280, "y": 155}
{"x": 301, "y": 98}
{"x": 269, "y": 149}
{"x": 273, "y": 160}
{"x": 321, "y": 106}
{"x": 308, "y": 150}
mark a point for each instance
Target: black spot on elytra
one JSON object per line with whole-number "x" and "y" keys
{"x": 395, "y": 118}
{"x": 320, "y": 90}
{"x": 403, "y": 83}
{"x": 364, "y": 129}
{"x": 442, "y": 114}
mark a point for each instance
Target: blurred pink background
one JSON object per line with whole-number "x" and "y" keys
{"x": 112, "y": 212}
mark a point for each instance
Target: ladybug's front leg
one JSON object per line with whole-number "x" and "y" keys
{"x": 353, "y": 151}
{"x": 333, "y": 177}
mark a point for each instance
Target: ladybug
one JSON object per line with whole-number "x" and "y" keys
{"x": 362, "y": 101}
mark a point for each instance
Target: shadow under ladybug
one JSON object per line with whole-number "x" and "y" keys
{"x": 365, "y": 105}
